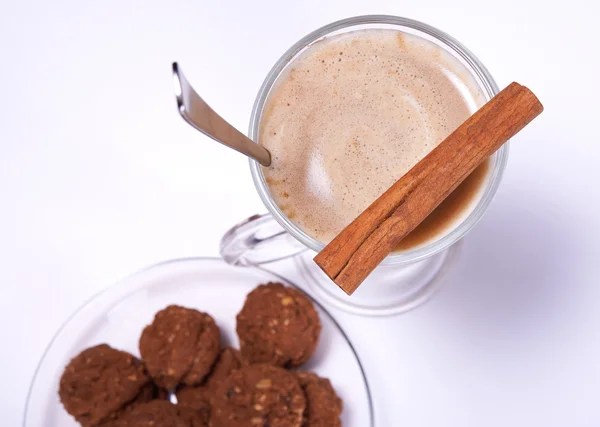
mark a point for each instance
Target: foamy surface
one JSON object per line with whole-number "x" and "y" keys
{"x": 351, "y": 115}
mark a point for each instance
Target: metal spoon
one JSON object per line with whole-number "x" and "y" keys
{"x": 199, "y": 115}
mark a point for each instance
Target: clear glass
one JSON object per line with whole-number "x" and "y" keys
{"x": 481, "y": 75}
{"x": 390, "y": 289}
{"x": 117, "y": 316}
{"x": 404, "y": 280}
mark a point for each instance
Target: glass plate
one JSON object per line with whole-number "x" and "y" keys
{"x": 117, "y": 316}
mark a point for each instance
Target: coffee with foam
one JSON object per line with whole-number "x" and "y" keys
{"x": 352, "y": 114}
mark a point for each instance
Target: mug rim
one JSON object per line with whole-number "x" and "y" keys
{"x": 485, "y": 81}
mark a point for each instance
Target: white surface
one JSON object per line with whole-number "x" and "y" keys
{"x": 100, "y": 177}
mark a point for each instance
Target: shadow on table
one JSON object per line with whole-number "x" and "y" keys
{"x": 515, "y": 275}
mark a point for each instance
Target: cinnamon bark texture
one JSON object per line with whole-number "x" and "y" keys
{"x": 362, "y": 245}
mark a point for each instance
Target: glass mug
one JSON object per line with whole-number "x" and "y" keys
{"x": 404, "y": 280}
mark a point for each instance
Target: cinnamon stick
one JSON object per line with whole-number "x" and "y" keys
{"x": 362, "y": 245}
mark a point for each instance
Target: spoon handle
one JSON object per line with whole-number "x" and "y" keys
{"x": 199, "y": 115}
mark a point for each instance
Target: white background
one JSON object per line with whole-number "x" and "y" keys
{"x": 99, "y": 177}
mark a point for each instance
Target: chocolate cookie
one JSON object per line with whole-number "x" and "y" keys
{"x": 192, "y": 417}
{"x": 198, "y": 397}
{"x": 155, "y": 413}
{"x": 147, "y": 393}
{"x": 323, "y": 406}
{"x": 100, "y": 381}
{"x": 195, "y": 398}
{"x": 278, "y": 325}
{"x": 180, "y": 346}
{"x": 258, "y": 396}
{"x": 229, "y": 360}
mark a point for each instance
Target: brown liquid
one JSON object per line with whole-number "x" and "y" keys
{"x": 355, "y": 112}
{"x": 448, "y": 211}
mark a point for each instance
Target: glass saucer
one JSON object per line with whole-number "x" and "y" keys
{"x": 117, "y": 316}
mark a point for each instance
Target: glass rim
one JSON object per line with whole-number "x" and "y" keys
{"x": 487, "y": 84}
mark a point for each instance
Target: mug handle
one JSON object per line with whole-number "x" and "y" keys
{"x": 258, "y": 240}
